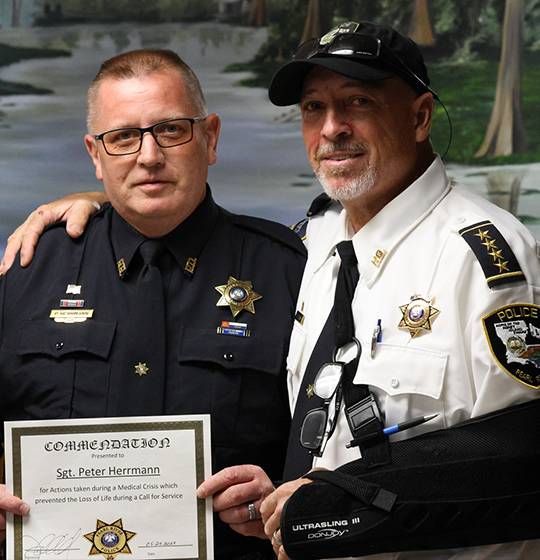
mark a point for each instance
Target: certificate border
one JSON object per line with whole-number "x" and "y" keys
{"x": 196, "y": 425}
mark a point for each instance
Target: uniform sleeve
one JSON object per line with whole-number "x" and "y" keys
{"x": 503, "y": 335}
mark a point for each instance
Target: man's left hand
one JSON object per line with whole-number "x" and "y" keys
{"x": 271, "y": 513}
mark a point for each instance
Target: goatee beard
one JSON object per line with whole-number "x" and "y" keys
{"x": 350, "y": 188}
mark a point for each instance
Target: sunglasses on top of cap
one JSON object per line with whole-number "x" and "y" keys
{"x": 361, "y": 46}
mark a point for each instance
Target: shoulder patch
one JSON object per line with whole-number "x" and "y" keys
{"x": 277, "y": 232}
{"x": 300, "y": 228}
{"x": 494, "y": 254}
{"x": 513, "y": 335}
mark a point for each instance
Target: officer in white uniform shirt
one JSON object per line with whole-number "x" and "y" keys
{"x": 446, "y": 309}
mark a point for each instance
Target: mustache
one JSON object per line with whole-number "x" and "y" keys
{"x": 339, "y": 146}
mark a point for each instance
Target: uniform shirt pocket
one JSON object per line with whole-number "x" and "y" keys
{"x": 399, "y": 370}
{"x": 236, "y": 380}
{"x": 38, "y": 367}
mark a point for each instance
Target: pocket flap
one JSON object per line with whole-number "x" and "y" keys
{"x": 398, "y": 370}
{"x": 58, "y": 339}
{"x": 262, "y": 352}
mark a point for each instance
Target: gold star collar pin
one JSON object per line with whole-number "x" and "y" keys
{"x": 238, "y": 295}
{"x": 418, "y": 314}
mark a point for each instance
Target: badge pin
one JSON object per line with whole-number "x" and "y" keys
{"x": 71, "y": 315}
{"x": 141, "y": 369}
{"x": 234, "y": 329}
{"x": 238, "y": 295}
{"x": 121, "y": 265}
{"x": 418, "y": 314}
{"x": 310, "y": 391}
{"x": 73, "y": 289}
{"x": 190, "y": 265}
{"x": 72, "y": 303}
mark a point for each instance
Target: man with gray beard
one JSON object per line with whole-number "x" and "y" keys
{"x": 419, "y": 302}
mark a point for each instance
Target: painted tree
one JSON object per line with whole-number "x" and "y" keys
{"x": 257, "y": 14}
{"x": 506, "y": 132}
{"x": 318, "y": 20}
{"x": 420, "y": 29}
{"x": 16, "y": 14}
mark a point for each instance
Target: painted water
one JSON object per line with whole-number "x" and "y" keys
{"x": 262, "y": 168}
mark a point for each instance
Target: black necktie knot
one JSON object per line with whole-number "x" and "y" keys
{"x": 347, "y": 254}
{"x": 151, "y": 250}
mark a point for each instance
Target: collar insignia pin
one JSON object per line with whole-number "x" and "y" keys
{"x": 121, "y": 265}
{"x": 238, "y": 295}
{"x": 417, "y": 314}
{"x": 310, "y": 391}
{"x": 190, "y": 265}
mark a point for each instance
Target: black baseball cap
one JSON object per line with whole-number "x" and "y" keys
{"x": 362, "y": 51}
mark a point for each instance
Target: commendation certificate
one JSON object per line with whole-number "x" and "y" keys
{"x": 110, "y": 487}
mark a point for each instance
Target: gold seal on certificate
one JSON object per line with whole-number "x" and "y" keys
{"x": 109, "y": 539}
{"x": 110, "y": 488}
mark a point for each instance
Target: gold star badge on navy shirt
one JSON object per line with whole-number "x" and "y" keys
{"x": 238, "y": 295}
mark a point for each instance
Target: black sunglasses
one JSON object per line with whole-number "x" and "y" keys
{"x": 360, "y": 46}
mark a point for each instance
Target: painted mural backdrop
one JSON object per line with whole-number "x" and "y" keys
{"x": 483, "y": 58}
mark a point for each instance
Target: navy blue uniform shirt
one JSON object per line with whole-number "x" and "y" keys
{"x": 56, "y": 370}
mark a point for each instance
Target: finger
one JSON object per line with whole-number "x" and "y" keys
{"x": 240, "y": 514}
{"x": 250, "y": 529}
{"x": 11, "y": 503}
{"x": 30, "y": 231}
{"x": 224, "y": 479}
{"x": 78, "y": 215}
{"x": 12, "y": 248}
{"x": 276, "y": 541}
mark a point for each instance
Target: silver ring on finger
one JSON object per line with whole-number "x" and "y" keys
{"x": 275, "y": 538}
{"x": 252, "y": 512}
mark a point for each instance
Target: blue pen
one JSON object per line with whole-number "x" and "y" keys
{"x": 376, "y": 338}
{"x": 408, "y": 424}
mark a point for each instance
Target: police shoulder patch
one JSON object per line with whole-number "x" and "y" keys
{"x": 494, "y": 254}
{"x": 513, "y": 335}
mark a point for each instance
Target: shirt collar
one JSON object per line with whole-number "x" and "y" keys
{"x": 185, "y": 242}
{"x": 376, "y": 241}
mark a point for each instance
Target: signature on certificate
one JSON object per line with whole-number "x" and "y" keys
{"x": 50, "y": 545}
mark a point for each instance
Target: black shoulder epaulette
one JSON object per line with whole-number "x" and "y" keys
{"x": 494, "y": 254}
{"x": 317, "y": 206}
{"x": 277, "y": 232}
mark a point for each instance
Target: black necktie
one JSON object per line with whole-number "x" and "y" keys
{"x": 361, "y": 409}
{"x": 339, "y": 327}
{"x": 142, "y": 366}
{"x": 347, "y": 280}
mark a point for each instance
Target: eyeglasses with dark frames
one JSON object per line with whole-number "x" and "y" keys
{"x": 167, "y": 134}
{"x": 319, "y": 424}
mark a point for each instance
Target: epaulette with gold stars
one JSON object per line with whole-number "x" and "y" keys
{"x": 494, "y": 254}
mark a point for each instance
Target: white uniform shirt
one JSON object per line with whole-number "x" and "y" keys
{"x": 413, "y": 247}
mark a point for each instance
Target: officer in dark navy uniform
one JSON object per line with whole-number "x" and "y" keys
{"x": 77, "y": 339}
